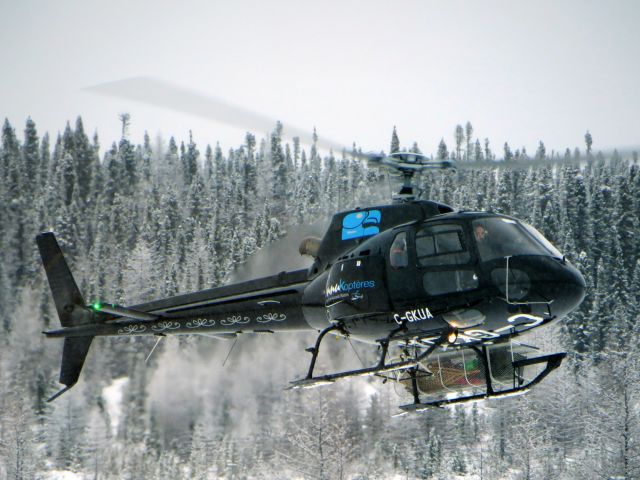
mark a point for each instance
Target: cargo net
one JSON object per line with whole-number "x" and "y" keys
{"x": 461, "y": 371}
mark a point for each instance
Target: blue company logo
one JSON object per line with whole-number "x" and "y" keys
{"x": 343, "y": 287}
{"x": 361, "y": 224}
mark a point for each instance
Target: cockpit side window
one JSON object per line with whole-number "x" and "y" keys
{"x": 441, "y": 245}
{"x": 398, "y": 256}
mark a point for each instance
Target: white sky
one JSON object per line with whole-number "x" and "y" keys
{"x": 519, "y": 71}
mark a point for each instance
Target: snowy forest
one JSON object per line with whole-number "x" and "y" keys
{"x": 140, "y": 220}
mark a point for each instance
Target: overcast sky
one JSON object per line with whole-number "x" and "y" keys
{"x": 519, "y": 71}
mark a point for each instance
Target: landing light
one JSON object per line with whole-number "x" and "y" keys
{"x": 452, "y": 336}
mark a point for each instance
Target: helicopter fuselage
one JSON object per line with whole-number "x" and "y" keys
{"x": 487, "y": 276}
{"x": 414, "y": 273}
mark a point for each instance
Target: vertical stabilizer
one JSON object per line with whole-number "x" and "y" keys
{"x": 70, "y": 306}
{"x": 67, "y": 297}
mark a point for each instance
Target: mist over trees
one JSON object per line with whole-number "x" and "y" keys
{"x": 152, "y": 219}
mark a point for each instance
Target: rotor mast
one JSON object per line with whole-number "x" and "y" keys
{"x": 406, "y": 191}
{"x": 407, "y": 164}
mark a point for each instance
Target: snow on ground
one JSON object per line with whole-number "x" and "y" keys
{"x": 113, "y": 398}
{"x": 368, "y": 389}
{"x": 63, "y": 475}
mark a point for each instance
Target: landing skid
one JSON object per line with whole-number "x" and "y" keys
{"x": 382, "y": 367}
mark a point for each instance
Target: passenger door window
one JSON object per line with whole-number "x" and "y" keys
{"x": 441, "y": 245}
{"x": 444, "y": 251}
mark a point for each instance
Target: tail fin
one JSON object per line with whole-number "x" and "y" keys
{"x": 67, "y": 297}
{"x": 70, "y": 306}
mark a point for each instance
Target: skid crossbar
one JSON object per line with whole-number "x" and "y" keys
{"x": 380, "y": 368}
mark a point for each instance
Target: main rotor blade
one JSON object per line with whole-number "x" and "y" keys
{"x": 166, "y": 95}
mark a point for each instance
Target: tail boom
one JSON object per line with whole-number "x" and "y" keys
{"x": 265, "y": 320}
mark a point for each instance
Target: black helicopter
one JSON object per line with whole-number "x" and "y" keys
{"x": 447, "y": 291}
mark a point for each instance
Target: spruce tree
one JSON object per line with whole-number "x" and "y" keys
{"x": 541, "y": 152}
{"x": 477, "y": 152}
{"x": 44, "y": 162}
{"x": 189, "y": 160}
{"x": 488, "y": 155}
{"x": 459, "y": 138}
{"x": 279, "y": 170}
{"x": 147, "y": 157}
{"x": 508, "y": 154}
{"x": 84, "y": 160}
{"x": 10, "y": 160}
{"x": 30, "y": 158}
{"x": 443, "y": 153}
{"x": 468, "y": 132}
{"x": 395, "y": 141}
{"x": 588, "y": 140}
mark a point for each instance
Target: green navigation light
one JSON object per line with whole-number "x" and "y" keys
{"x": 97, "y": 306}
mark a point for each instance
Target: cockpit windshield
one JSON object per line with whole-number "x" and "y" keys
{"x": 538, "y": 236}
{"x": 498, "y": 237}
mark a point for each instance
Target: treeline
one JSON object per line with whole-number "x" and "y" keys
{"x": 468, "y": 149}
{"x": 153, "y": 219}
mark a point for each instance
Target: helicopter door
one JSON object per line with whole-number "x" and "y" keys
{"x": 401, "y": 272}
{"x": 444, "y": 260}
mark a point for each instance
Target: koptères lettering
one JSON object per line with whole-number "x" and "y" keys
{"x": 345, "y": 287}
